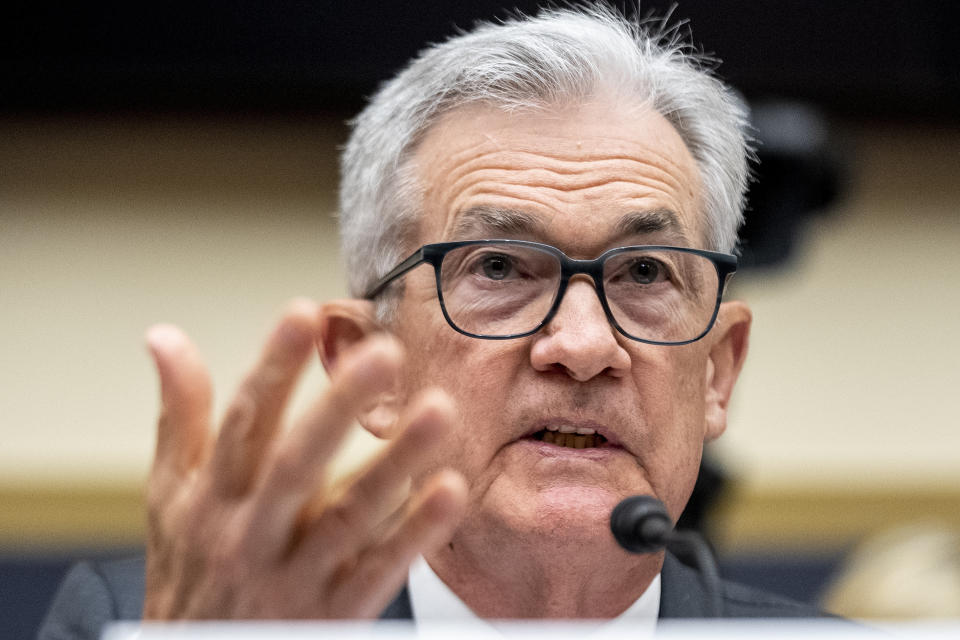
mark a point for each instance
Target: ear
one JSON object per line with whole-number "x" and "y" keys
{"x": 727, "y": 355}
{"x": 343, "y": 325}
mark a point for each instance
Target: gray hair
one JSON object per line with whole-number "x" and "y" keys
{"x": 558, "y": 56}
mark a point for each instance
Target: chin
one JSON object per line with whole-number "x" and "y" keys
{"x": 568, "y": 514}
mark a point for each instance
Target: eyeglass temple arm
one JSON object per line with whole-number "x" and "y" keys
{"x": 412, "y": 261}
{"x": 728, "y": 267}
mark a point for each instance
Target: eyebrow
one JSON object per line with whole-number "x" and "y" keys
{"x": 485, "y": 219}
{"x": 638, "y": 223}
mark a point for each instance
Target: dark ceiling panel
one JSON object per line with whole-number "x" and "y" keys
{"x": 871, "y": 58}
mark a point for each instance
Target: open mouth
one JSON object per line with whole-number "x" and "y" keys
{"x": 573, "y": 439}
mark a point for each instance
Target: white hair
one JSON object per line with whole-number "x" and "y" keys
{"x": 560, "y": 56}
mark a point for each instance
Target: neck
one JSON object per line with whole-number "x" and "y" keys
{"x": 509, "y": 576}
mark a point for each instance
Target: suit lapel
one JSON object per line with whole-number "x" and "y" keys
{"x": 399, "y": 608}
{"x": 681, "y": 592}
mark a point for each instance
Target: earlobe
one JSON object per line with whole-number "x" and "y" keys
{"x": 726, "y": 358}
{"x": 344, "y": 324}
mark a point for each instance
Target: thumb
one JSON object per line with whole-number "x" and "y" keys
{"x": 185, "y": 398}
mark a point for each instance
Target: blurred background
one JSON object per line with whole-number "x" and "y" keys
{"x": 178, "y": 162}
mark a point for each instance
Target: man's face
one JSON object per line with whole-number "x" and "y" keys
{"x": 571, "y": 178}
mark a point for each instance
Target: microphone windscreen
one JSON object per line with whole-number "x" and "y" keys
{"x": 640, "y": 524}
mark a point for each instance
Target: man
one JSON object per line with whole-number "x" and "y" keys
{"x": 537, "y": 219}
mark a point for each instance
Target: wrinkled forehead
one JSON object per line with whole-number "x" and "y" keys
{"x": 591, "y": 168}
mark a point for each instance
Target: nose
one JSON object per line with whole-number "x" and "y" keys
{"x": 579, "y": 339}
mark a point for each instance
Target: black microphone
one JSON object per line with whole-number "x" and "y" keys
{"x": 641, "y": 524}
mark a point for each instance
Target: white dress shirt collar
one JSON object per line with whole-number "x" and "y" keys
{"x": 432, "y": 601}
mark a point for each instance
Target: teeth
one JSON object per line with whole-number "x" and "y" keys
{"x": 567, "y": 428}
{"x": 572, "y": 440}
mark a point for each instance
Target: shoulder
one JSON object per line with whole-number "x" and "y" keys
{"x": 683, "y": 595}
{"x": 93, "y": 594}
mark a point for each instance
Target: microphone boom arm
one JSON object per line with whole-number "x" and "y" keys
{"x": 641, "y": 524}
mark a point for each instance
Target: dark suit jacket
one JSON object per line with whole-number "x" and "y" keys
{"x": 94, "y": 594}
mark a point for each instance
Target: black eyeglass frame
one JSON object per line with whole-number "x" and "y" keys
{"x": 724, "y": 263}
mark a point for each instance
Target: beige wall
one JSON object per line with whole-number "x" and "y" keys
{"x": 855, "y": 357}
{"x": 109, "y": 225}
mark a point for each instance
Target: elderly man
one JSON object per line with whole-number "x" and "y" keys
{"x": 537, "y": 218}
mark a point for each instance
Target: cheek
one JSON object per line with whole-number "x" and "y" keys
{"x": 675, "y": 416}
{"x": 477, "y": 374}
{"x": 669, "y": 394}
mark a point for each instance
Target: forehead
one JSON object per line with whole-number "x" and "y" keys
{"x": 574, "y": 175}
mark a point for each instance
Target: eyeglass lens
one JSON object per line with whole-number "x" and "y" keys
{"x": 660, "y": 295}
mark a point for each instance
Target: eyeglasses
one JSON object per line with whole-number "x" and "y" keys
{"x": 500, "y": 289}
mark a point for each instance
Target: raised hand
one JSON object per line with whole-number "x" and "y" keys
{"x": 240, "y": 524}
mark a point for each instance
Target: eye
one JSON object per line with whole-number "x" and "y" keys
{"x": 646, "y": 271}
{"x": 496, "y": 267}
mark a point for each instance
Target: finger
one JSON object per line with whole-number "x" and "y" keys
{"x": 373, "y": 497}
{"x": 369, "y": 584}
{"x": 185, "y": 399}
{"x": 255, "y": 413}
{"x": 297, "y": 462}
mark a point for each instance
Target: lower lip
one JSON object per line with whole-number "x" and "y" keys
{"x": 549, "y": 450}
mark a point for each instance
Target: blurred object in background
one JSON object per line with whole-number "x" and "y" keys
{"x": 800, "y": 173}
{"x": 906, "y": 573}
